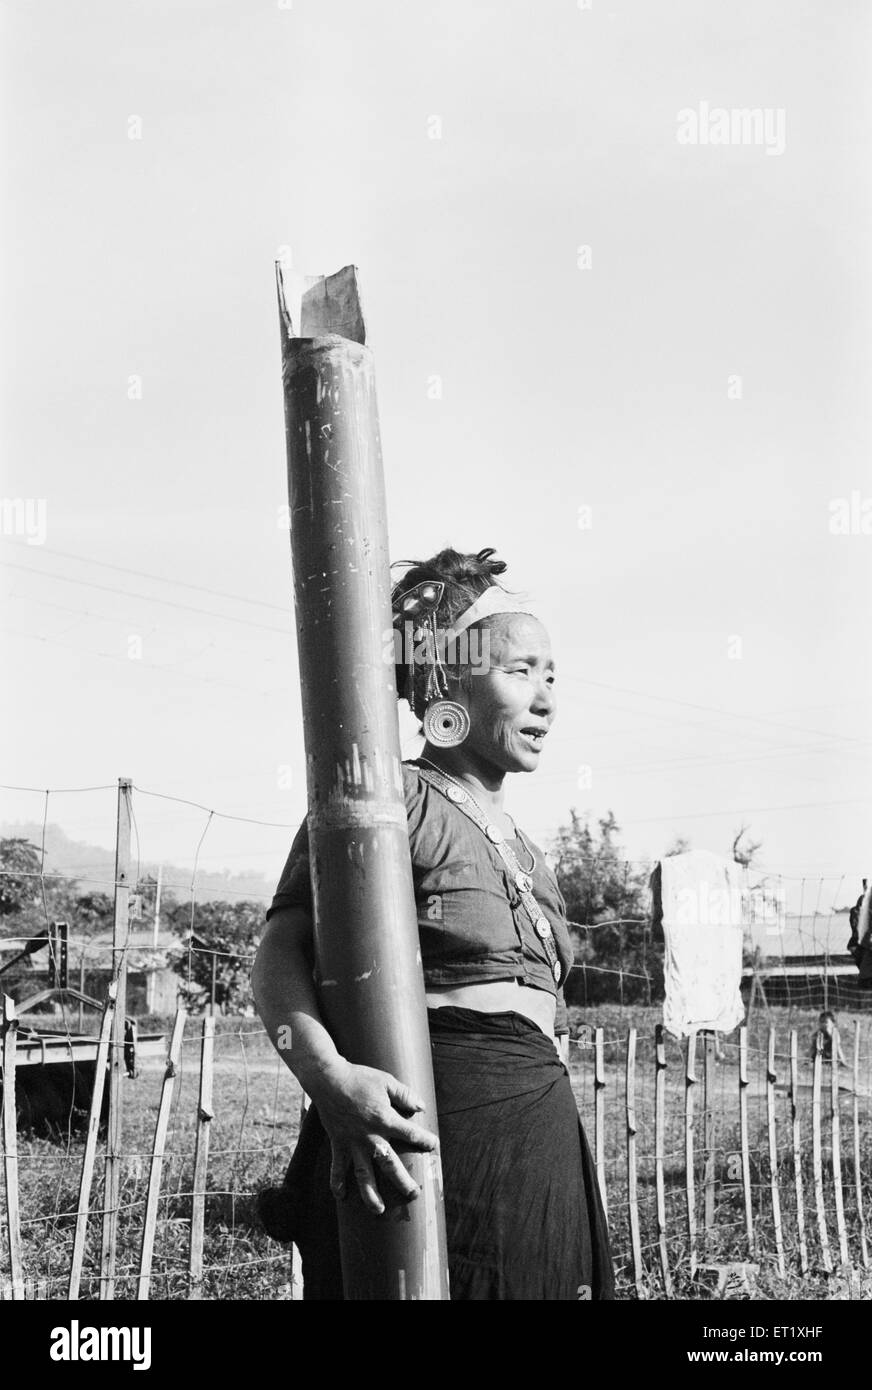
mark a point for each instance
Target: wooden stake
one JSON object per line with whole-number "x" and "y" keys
{"x": 817, "y": 1161}
{"x": 841, "y": 1228}
{"x": 149, "y": 1225}
{"x": 81, "y": 987}
{"x": 120, "y": 930}
{"x": 10, "y": 1149}
{"x": 205, "y": 1116}
{"x": 659, "y": 1153}
{"x": 599, "y": 1116}
{"x": 771, "y": 1079}
{"x": 858, "y": 1180}
{"x": 709, "y": 1158}
{"x": 632, "y": 1191}
{"x": 744, "y": 1138}
{"x": 94, "y": 1113}
{"x": 689, "y": 1177}
{"x": 797, "y": 1150}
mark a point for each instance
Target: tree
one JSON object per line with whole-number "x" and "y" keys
{"x": 609, "y": 893}
{"x": 87, "y": 913}
{"x": 679, "y": 845}
{"x": 226, "y": 933}
{"x": 20, "y": 863}
{"x": 747, "y": 853}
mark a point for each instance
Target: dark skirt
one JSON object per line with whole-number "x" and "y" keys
{"x": 523, "y": 1212}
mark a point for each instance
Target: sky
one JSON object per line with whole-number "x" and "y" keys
{"x": 634, "y": 365}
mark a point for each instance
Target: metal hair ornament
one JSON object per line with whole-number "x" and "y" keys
{"x": 416, "y": 609}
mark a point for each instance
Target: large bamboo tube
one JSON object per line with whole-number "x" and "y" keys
{"x": 366, "y": 935}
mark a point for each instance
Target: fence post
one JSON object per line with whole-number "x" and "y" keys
{"x": 205, "y": 1115}
{"x": 659, "y": 1153}
{"x": 149, "y": 1225}
{"x": 690, "y": 1185}
{"x": 835, "y": 1120}
{"x": 797, "y": 1150}
{"x": 120, "y": 928}
{"x": 858, "y": 1181}
{"x": 771, "y": 1078}
{"x": 10, "y": 1148}
{"x": 708, "y": 1130}
{"x": 599, "y": 1115}
{"x": 81, "y": 986}
{"x": 817, "y": 1160}
{"x": 94, "y": 1113}
{"x": 744, "y": 1140}
{"x": 632, "y": 1191}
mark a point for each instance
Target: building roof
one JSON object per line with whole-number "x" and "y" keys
{"x": 823, "y": 934}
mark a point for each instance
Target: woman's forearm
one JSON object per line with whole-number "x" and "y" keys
{"x": 366, "y": 1112}
{"x": 284, "y": 993}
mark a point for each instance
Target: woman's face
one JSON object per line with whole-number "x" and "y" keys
{"x": 510, "y": 698}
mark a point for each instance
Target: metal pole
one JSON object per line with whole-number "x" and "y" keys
{"x": 366, "y": 934}
{"x": 120, "y": 928}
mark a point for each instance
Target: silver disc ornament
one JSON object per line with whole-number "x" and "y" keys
{"x": 446, "y": 724}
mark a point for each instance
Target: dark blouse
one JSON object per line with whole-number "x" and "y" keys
{"x": 471, "y": 922}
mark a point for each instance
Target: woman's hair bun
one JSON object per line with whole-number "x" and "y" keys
{"x": 465, "y": 575}
{"x": 481, "y": 563}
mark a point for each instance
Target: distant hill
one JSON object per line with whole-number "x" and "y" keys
{"x": 823, "y": 933}
{"x": 93, "y": 866}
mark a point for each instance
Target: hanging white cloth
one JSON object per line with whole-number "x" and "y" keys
{"x": 703, "y": 902}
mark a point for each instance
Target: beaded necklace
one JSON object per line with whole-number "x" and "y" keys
{"x": 522, "y": 839}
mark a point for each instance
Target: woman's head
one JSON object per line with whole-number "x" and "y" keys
{"x": 502, "y": 673}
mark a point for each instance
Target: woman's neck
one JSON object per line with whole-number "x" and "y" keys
{"x": 483, "y": 779}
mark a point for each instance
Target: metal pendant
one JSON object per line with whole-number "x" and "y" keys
{"x": 446, "y": 724}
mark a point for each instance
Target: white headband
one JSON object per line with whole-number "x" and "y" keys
{"x": 493, "y": 600}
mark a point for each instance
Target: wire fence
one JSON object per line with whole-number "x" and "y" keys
{"x": 203, "y": 1131}
{"x": 713, "y": 1154}
{"x": 136, "y": 1137}
{"x": 723, "y": 1155}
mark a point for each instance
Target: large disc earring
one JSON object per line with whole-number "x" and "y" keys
{"x": 446, "y": 724}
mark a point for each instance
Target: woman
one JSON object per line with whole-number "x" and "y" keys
{"x": 523, "y": 1213}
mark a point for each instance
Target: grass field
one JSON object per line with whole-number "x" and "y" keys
{"x": 257, "y": 1104}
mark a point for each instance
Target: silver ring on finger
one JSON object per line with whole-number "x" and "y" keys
{"x": 381, "y": 1153}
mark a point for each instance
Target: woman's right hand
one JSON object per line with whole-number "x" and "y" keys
{"x": 366, "y": 1111}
